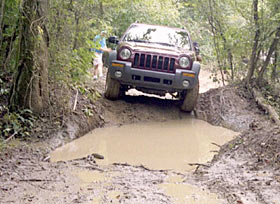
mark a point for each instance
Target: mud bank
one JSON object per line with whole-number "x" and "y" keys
{"x": 246, "y": 169}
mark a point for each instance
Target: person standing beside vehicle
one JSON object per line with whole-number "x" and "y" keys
{"x": 97, "y": 61}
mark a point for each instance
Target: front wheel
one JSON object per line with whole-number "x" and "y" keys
{"x": 190, "y": 98}
{"x": 112, "y": 88}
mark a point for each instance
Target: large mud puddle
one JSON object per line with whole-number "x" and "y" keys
{"x": 170, "y": 145}
{"x": 159, "y": 146}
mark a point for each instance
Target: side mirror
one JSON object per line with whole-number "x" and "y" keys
{"x": 113, "y": 39}
{"x": 196, "y": 48}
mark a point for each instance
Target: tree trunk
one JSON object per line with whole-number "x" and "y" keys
{"x": 230, "y": 59}
{"x": 211, "y": 22}
{"x": 77, "y": 20}
{"x": 227, "y": 48}
{"x": 253, "y": 58}
{"x": 229, "y": 53}
{"x": 30, "y": 85}
{"x": 274, "y": 69}
{"x": 1, "y": 20}
{"x": 268, "y": 57}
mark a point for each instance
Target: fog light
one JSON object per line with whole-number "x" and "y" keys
{"x": 118, "y": 74}
{"x": 186, "y": 83}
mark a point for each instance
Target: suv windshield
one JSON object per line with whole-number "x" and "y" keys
{"x": 159, "y": 35}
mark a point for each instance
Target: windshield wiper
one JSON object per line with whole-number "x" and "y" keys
{"x": 141, "y": 41}
{"x": 160, "y": 43}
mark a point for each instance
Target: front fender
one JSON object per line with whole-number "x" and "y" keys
{"x": 108, "y": 57}
{"x": 196, "y": 68}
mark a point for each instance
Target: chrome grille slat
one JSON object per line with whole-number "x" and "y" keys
{"x": 154, "y": 62}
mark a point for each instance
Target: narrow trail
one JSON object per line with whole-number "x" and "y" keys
{"x": 148, "y": 151}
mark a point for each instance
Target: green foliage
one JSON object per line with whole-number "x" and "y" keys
{"x": 225, "y": 28}
{"x": 147, "y": 11}
{"x": 93, "y": 95}
{"x": 4, "y": 91}
{"x": 16, "y": 123}
{"x": 71, "y": 39}
{"x": 80, "y": 64}
{"x": 8, "y": 33}
{"x": 88, "y": 111}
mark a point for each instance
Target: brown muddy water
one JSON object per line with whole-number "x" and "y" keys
{"x": 170, "y": 145}
{"x": 159, "y": 146}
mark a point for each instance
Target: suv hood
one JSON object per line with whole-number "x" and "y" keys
{"x": 156, "y": 48}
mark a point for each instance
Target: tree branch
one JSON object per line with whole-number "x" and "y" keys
{"x": 253, "y": 57}
{"x": 268, "y": 108}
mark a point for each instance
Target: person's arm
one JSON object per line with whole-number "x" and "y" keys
{"x": 104, "y": 46}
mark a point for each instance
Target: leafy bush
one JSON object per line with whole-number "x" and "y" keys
{"x": 16, "y": 123}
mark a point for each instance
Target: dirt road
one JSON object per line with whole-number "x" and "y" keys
{"x": 142, "y": 155}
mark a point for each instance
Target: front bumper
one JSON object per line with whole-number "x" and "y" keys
{"x": 142, "y": 78}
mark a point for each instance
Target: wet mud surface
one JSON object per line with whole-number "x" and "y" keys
{"x": 84, "y": 181}
{"x": 243, "y": 170}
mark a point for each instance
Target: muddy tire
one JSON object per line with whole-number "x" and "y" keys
{"x": 112, "y": 88}
{"x": 190, "y": 99}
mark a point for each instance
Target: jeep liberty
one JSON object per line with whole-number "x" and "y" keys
{"x": 154, "y": 59}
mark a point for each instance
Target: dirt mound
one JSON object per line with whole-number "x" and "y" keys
{"x": 231, "y": 107}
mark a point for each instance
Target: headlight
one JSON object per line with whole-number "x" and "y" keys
{"x": 125, "y": 54}
{"x": 184, "y": 62}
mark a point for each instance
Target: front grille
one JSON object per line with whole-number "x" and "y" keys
{"x": 154, "y": 62}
